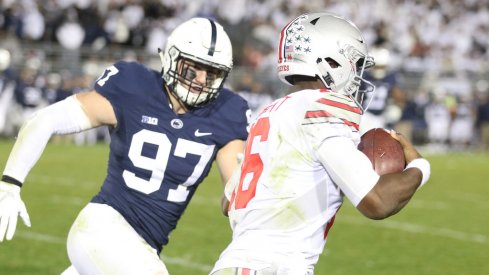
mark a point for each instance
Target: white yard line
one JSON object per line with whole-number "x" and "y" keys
{"x": 186, "y": 262}
{"x": 200, "y": 200}
{"x": 474, "y": 199}
{"x": 401, "y": 226}
{"x": 420, "y": 229}
{"x": 69, "y": 181}
{"x": 215, "y": 200}
{"x": 478, "y": 200}
{"x": 40, "y": 237}
{"x": 70, "y": 200}
{"x": 432, "y": 205}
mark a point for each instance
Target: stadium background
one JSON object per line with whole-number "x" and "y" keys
{"x": 50, "y": 49}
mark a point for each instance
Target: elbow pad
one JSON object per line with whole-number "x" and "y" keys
{"x": 63, "y": 117}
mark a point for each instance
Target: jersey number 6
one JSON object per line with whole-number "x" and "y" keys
{"x": 253, "y": 165}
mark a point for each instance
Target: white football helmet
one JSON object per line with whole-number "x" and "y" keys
{"x": 198, "y": 41}
{"x": 327, "y": 47}
{"x": 382, "y": 59}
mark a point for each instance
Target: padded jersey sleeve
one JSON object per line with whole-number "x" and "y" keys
{"x": 330, "y": 126}
{"x": 234, "y": 115}
{"x": 330, "y": 115}
{"x": 121, "y": 82}
{"x": 349, "y": 168}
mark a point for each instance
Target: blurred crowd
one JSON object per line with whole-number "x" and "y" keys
{"x": 439, "y": 48}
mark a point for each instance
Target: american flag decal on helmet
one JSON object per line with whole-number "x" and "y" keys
{"x": 291, "y": 39}
{"x": 334, "y": 108}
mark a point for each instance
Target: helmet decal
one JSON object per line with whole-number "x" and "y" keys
{"x": 212, "y": 48}
{"x": 292, "y": 40}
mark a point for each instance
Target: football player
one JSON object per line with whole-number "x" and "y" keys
{"x": 301, "y": 156}
{"x": 166, "y": 130}
{"x": 384, "y": 106}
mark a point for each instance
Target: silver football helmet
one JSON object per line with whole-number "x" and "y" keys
{"x": 197, "y": 43}
{"x": 327, "y": 47}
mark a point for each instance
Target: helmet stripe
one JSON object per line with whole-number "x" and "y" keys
{"x": 212, "y": 47}
{"x": 281, "y": 47}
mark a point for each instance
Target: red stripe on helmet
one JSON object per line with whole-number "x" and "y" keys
{"x": 281, "y": 47}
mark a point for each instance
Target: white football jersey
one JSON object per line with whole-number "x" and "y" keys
{"x": 288, "y": 194}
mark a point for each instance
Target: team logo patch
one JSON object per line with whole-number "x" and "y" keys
{"x": 176, "y": 123}
{"x": 149, "y": 120}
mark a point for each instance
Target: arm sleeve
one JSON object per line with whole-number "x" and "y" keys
{"x": 349, "y": 168}
{"x": 63, "y": 117}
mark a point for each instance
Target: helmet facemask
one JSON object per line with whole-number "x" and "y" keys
{"x": 347, "y": 80}
{"x": 358, "y": 87}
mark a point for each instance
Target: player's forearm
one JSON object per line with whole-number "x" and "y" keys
{"x": 395, "y": 190}
{"x": 64, "y": 117}
{"x": 391, "y": 193}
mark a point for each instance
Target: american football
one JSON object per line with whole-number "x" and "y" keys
{"x": 383, "y": 150}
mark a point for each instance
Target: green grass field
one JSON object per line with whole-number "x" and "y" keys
{"x": 444, "y": 229}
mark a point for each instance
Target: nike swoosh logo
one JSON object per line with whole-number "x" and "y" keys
{"x": 201, "y": 134}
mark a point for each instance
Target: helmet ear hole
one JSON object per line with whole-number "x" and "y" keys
{"x": 294, "y": 79}
{"x": 290, "y": 79}
{"x": 332, "y": 63}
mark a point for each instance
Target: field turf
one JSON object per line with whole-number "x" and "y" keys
{"x": 444, "y": 229}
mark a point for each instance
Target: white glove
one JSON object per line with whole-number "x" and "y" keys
{"x": 11, "y": 206}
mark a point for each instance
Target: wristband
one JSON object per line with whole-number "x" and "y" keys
{"x": 424, "y": 166}
{"x": 11, "y": 180}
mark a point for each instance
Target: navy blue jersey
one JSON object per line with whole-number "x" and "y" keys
{"x": 383, "y": 90}
{"x": 158, "y": 158}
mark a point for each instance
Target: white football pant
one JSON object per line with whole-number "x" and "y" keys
{"x": 101, "y": 241}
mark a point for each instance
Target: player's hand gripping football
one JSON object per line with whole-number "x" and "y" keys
{"x": 11, "y": 206}
{"x": 410, "y": 152}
